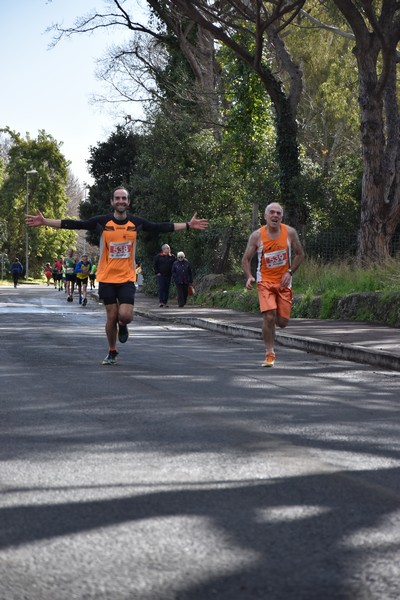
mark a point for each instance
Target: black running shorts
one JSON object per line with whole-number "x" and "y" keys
{"x": 123, "y": 293}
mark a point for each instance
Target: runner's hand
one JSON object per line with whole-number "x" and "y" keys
{"x": 249, "y": 283}
{"x": 35, "y": 220}
{"x": 196, "y": 223}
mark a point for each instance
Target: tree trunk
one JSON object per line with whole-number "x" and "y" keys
{"x": 287, "y": 151}
{"x": 380, "y": 150}
{"x": 376, "y": 228}
{"x": 376, "y": 52}
{"x": 289, "y": 167}
{"x": 222, "y": 264}
{"x": 255, "y": 220}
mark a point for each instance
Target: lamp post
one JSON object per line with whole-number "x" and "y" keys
{"x": 86, "y": 187}
{"x": 31, "y": 172}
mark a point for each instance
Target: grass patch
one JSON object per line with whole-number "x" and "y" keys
{"x": 329, "y": 304}
{"x": 319, "y": 290}
{"x": 303, "y": 306}
{"x": 344, "y": 277}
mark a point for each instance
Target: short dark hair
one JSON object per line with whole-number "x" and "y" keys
{"x": 120, "y": 187}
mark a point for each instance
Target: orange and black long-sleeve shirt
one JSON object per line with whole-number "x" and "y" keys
{"x": 117, "y": 243}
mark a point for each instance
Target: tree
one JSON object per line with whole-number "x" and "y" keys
{"x": 77, "y": 195}
{"x": 249, "y": 137}
{"x": 328, "y": 117}
{"x": 46, "y": 192}
{"x": 111, "y": 163}
{"x": 251, "y": 30}
{"x": 181, "y": 169}
{"x": 376, "y": 29}
{"x": 260, "y": 47}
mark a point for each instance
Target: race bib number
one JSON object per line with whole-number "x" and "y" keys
{"x": 120, "y": 250}
{"x": 275, "y": 259}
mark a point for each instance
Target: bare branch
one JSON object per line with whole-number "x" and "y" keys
{"x": 90, "y": 23}
{"x": 320, "y": 25}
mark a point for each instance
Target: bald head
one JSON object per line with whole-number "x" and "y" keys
{"x": 275, "y": 206}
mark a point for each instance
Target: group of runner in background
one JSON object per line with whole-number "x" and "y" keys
{"x": 71, "y": 272}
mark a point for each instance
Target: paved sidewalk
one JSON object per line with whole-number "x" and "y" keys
{"x": 367, "y": 343}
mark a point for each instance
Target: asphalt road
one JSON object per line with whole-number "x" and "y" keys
{"x": 187, "y": 472}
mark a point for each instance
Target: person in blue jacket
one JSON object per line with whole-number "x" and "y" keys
{"x": 182, "y": 276}
{"x": 82, "y": 271}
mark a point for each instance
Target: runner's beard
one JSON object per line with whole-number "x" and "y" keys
{"x": 121, "y": 209}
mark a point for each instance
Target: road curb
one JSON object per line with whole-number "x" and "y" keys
{"x": 349, "y": 352}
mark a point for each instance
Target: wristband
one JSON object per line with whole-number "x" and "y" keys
{"x": 187, "y": 226}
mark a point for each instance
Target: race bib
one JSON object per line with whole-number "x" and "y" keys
{"x": 120, "y": 250}
{"x": 278, "y": 258}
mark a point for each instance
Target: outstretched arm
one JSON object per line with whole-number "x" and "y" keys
{"x": 39, "y": 220}
{"x": 194, "y": 223}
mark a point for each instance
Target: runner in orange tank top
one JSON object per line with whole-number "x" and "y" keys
{"x": 274, "y": 243}
{"x": 116, "y": 271}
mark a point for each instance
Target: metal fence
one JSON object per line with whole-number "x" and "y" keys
{"x": 333, "y": 245}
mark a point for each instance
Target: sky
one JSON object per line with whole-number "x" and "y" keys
{"x": 51, "y": 89}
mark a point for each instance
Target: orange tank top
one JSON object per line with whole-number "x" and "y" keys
{"x": 117, "y": 253}
{"x": 273, "y": 256}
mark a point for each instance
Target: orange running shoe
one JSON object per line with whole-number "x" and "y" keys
{"x": 269, "y": 360}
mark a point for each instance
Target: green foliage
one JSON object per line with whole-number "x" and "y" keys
{"x": 303, "y": 306}
{"x": 329, "y": 304}
{"x": 343, "y": 276}
{"x": 44, "y": 191}
{"x": 390, "y": 299}
{"x": 111, "y": 163}
{"x": 328, "y": 117}
{"x": 249, "y": 136}
{"x": 182, "y": 170}
{"x": 337, "y": 195}
{"x": 328, "y": 110}
{"x": 3, "y": 233}
{"x": 178, "y": 165}
{"x": 236, "y": 298}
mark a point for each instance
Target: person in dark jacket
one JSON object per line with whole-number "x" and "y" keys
{"x": 182, "y": 276}
{"x": 16, "y": 270}
{"x": 162, "y": 264}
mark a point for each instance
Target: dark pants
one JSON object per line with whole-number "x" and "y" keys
{"x": 182, "y": 292}
{"x": 163, "y": 284}
{"x": 15, "y": 275}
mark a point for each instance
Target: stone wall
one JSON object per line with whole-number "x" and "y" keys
{"x": 361, "y": 306}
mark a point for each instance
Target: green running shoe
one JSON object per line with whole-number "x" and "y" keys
{"x": 111, "y": 358}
